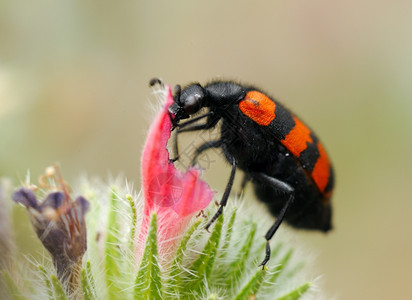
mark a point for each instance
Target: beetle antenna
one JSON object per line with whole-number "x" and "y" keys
{"x": 155, "y": 81}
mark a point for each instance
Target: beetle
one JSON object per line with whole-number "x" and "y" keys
{"x": 283, "y": 158}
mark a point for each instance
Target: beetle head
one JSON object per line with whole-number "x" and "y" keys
{"x": 187, "y": 102}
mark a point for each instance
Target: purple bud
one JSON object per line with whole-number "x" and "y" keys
{"x": 26, "y": 197}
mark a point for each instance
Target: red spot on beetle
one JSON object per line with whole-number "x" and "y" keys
{"x": 258, "y": 107}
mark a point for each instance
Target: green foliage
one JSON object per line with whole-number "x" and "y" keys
{"x": 174, "y": 284}
{"x": 47, "y": 281}
{"x": 148, "y": 283}
{"x": 112, "y": 251}
{"x": 59, "y": 293}
{"x": 134, "y": 220}
{"x": 201, "y": 269}
{"x": 237, "y": 266}
{"x": 281, "y": 266}
{"x": 252, "y": 286}
{"x": 228, "y": 234}
{"x": 222, "y": 264}
{"x": 87, "y": 282}
{"x": 13, "y": 288}
{"x": 297, "y": 293}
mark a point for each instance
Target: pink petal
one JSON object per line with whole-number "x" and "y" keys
{"x": 175, "y": 196}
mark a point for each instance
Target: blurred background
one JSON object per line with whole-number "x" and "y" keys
{"x": 74, "y": 89}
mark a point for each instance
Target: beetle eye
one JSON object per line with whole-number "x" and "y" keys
{"x": 192, "y": 103}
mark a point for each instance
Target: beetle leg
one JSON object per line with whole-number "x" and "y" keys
{"x": 188, "y": 129}
{"x": 182, "y": 128}
{"x": 282, "y": 186}
{"x": 245, "y": 180}
{"x": 205, "y": 146}
{"x": 194, "y": 120}
{"x": 225, "y": 196}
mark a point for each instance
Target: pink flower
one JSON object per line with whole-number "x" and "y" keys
{"x": 174, "y": 196}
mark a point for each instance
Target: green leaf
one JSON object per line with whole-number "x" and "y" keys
{"x": 134, "y": 221}
{"x": 237, "y": 266}
{"x": 203, "y": 266}
{"x": 280, "y": 267}
{"x": 59, "y": 293}
{"x": 252, "y": 286}
{"x": 174, "y": 284}
{"x": 46, "y": 281}
{"x": 228, "y": 234}
{"x": 112, "y": 253}
{"x": 13, "y": 288}
{"x": 297, "y": 293}
{"x": 148, "y": 284}
{"x": 87, "y": 282}
{"x": 89, "y": 275}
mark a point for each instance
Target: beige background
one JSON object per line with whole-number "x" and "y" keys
{"x": 73, "y": 89}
